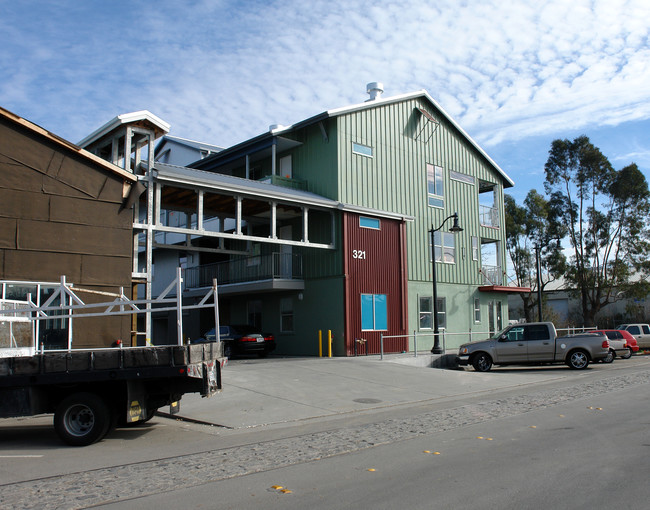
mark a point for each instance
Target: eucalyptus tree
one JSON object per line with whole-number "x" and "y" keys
{"x": 606, "y": 214}
{"x": 530, "y": 233}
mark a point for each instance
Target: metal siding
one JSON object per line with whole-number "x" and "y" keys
{"x": 379, "y": 273}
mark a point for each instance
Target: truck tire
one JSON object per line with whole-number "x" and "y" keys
{"x": 482, "y": 362}
{"x": 82, "y": 419}
{"x": 578, "y": 359}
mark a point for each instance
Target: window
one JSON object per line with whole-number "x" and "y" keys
{"x": 445, "y": 247}
{"x": 286, "y": 315}
{"x": 442, "y": 313}
{"x": 475, "y": 248}
{"x": 369, "y": 222}
{"x": 426, "y": 313}
{"x": 255, "y": 314}
{"x": 457, "y": 176}
{"x": 477, "y": 310}
{"x": 374, "y": 312}
{"x": 362, "y": 150}
{"x": 435, "y": 185}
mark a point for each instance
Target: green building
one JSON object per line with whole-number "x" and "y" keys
{"x": 358, "y": 264}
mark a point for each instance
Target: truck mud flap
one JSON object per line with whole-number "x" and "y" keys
{"x": 136, "y": 402}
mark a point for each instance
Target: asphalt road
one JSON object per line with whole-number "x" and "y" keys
{"x": 571, "y": 440}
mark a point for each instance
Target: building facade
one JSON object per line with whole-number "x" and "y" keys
{"x": 397, "y": 168}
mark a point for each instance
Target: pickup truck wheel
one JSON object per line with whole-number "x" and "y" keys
{"x": 82, "y": 419}
{"x": 482, "y": 362}
{"x": 610, "y": 357}
{"x": 578, "y": 359}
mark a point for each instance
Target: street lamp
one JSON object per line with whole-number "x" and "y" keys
{"x": 454, "y": 229}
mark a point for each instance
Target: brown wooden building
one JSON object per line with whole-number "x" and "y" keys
{"x": 62, "y": 212}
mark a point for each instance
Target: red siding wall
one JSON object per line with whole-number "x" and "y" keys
{"x": 375, "y": 264}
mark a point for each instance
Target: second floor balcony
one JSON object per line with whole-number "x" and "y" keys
{"x": 489, "y": 216}
{"x": 261, "y": 272}
{"x": 492, "y": 275}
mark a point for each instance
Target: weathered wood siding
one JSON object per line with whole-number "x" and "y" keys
{"x": 60, "y": 215}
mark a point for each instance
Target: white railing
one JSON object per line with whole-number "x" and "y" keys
{"x": 70, "y": 306}
{"x": 465, "y": 336}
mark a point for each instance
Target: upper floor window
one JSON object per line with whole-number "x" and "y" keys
{"x": 458, "y": 176}
{"x": 362, "y": 150}
{"x": 444, "y": 247}
{"x": 435, "y": 185}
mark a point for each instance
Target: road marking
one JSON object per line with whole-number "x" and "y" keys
{"x": 20, "y": 456}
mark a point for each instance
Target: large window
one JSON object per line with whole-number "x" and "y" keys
{"x": 426, "y": 313}
{"x": 374, "y": 312}
{"x": 435, "y": 185}
{"x": 445, "y": 247}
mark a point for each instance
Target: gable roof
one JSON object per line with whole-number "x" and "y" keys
{"x": 358, "y": 107}
{"x": 62, "y": 142}
{"x": 143, "y": 117}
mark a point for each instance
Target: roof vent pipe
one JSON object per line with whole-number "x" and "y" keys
{"x": 375, "y": 89}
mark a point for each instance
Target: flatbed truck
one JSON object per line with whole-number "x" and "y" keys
{"x": 91, "y": 391}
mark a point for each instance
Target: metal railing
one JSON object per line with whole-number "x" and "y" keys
{"x": 489, "y": 216}
{"x": 64, "y": 304}
{"x": 466, "y": 336}
{"x": 286, "y": 266}
{"x": 492, "y": 275}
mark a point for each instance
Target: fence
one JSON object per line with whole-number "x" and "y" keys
{"x": 466, "y": 336}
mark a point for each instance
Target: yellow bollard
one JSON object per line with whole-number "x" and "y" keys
{"x": 320, "y": 343}
{"x": 329, "y": 343}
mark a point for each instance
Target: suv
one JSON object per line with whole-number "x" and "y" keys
{"x": 639, "y": 331}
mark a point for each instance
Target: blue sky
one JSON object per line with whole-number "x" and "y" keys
{"x": 514, "y": 74}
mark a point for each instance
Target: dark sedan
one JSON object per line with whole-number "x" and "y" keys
{"x": 242, "y": 339}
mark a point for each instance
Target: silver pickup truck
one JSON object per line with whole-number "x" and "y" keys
{"x": 533, "y": 343}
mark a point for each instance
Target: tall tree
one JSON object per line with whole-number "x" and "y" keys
{"x": 606, "y": 213}
{"x": 529, "y": 231}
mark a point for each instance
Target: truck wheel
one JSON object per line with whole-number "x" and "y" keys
{"x": 82, "y": 419}
{"x": 578, "y": 359}
{"x": 610, "y": 357}
{"x": 482, "y": 362}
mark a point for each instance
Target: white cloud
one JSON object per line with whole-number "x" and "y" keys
{"x": 223, "y": 71}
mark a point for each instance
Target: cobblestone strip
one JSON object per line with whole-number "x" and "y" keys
{"x": 84, "y": 490}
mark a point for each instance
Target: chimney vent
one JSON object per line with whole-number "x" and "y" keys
{"x": 375, "y": 89}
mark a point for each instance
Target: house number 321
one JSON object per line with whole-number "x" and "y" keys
{"x": 359, "y": 254}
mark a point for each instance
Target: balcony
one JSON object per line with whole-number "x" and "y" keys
{"x": 277, "y": 271}
{"x": 489, "y": 216}
{"x": 492, "y": 275}
{"x": 285, "y": 182}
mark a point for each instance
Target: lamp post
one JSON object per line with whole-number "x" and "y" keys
{"x": 454, "y": 229}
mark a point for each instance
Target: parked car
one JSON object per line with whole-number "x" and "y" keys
{"x": 533, "y": 343}
{"x": 618, "y": 344}
{"x": 641, "y": 332}
{"x": 243, "y": 339}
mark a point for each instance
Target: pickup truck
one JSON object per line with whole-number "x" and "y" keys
{"x": 533, "y": 343}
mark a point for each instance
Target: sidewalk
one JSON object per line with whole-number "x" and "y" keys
{"x": 282, "y": 390}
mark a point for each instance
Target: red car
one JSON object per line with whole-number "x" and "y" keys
{"x": 620, "y": 334}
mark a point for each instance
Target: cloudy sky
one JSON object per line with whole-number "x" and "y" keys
{"x": 515, "y": 74}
